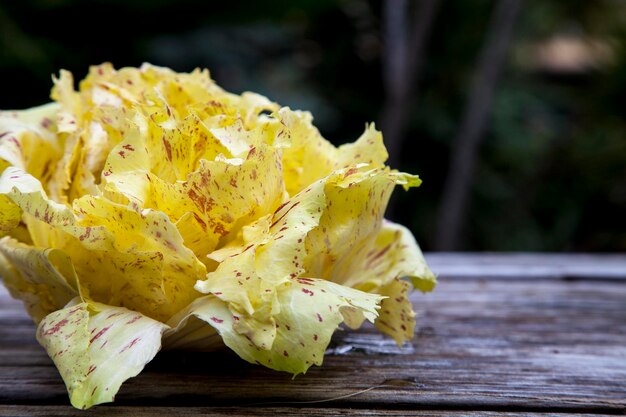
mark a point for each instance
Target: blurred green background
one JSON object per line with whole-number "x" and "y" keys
{"x": 549, "y": 171}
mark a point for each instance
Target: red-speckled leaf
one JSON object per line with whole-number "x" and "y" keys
{"x": 394, "y": 255}
{"x": 307, "y": 313}
{"x": 397, "y": 318}
{"x": 97, "y": 347}
{"x": 259, "y": 283}
{"x": 349, "y": 247}
{"x": 310, "y": 157}
{"x": 213, "y": 201}
{"x": 368, "y": 149}
{"x": 270, "y": 255}
{"x": 119, "y": 253}
{"x": 356, "y": 199}
{"x": 28, "y": 141}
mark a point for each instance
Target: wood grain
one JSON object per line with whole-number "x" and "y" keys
{"x": 512, "y": 343}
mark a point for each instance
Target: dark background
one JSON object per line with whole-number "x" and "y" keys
{"x": 530, "y": 127}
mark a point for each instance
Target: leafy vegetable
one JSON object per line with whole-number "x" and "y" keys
{"x": 153, "y": 207}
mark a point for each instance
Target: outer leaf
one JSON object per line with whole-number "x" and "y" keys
{"x": 309, "y": 311}
{"x": 355, "y": 201}
{"x": 397, "y": 318}
{"x": 97, "y": 347}
{"x": 350, "y": 248}
{"x": 394, "y": 255}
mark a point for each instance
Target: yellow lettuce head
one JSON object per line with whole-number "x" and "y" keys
{"x": 152, "y": 207}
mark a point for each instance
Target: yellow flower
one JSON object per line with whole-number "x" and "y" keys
{"x": 153, "y": 207}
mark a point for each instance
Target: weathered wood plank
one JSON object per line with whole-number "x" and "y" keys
{"x": 106, "y": 411}
{"x": 495, "y": 344}
{"x": 529, "y": 265}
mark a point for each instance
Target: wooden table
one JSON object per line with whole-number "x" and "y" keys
{"x": 501, "y": 335}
